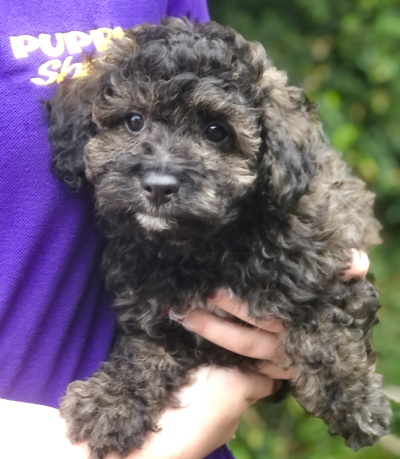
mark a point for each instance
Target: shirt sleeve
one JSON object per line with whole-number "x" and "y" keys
{"x": 192, "y": 9}
{"x": 221, "y": 453}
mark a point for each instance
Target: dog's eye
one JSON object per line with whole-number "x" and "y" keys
{"x": 134, "y": 122}
{"x": 217, "y": 133}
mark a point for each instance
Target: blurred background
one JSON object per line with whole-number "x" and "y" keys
{"x": 346, "y": 56}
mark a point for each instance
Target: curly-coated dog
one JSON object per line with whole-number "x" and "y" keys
{"x": 209, "y": 171}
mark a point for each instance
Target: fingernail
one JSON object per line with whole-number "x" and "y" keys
{"x": 176, "y": 317}
{"x": 364, "y": 263}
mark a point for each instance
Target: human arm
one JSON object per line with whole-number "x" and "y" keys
{"x": 208, "y": 418}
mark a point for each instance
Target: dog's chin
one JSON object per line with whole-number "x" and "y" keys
{"x": 176, "y": 230}
{"x": 153, "y": 224}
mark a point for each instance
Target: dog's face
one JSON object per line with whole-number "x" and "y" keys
{"x": 178, "y": 125}
{"x": 172, "y": 153}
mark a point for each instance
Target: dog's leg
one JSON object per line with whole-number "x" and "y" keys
{"x": 335, "y": 377}
{"x": 115, "y": 408}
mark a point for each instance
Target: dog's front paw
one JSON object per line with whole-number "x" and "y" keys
{"x": 368, "y": 417}
{"x": 108, "y": 420}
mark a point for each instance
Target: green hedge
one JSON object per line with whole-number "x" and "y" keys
{"x": 346, "y": 55}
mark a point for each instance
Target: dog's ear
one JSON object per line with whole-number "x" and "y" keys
{"x": 292, "y": 136}
{"x": 71, "y": 125}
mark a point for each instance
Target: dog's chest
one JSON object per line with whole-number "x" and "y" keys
{"x": 175, "y": 276}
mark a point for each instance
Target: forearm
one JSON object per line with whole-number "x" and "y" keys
{"x": 31, "y": 431}
{"x": 208, "y": 418}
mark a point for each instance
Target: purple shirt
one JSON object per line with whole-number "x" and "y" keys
{"x": 55, "y": 322}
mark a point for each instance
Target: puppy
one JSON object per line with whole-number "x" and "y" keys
{"x": 208, "y": 171}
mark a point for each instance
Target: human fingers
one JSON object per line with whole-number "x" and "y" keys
{"x": 260, "y": 386}
{"x": 359, "y": 265}
{"x": 210, "y": 382}
{"x": 248, "y": 341}
{"x": 254, "y": 385}
{"x": 225, "y": 300}
{"x": 274, "y": 371}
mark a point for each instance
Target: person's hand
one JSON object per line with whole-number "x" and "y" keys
{"x": 260, "y": 341}
{"x": 211, "y": 410}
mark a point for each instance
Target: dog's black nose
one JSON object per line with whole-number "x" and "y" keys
{"x": 159, "y": 187}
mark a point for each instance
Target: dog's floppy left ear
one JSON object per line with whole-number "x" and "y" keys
{"x": 71, "y": 126}
{"x": 292, "y": 136}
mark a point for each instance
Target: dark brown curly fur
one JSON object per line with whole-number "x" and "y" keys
{"x": 269, "y": 212}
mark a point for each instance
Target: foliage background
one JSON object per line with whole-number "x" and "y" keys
{"x": 346, "y": 55}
